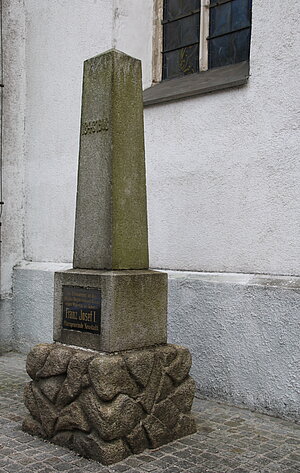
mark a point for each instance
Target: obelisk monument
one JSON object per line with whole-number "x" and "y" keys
{"x": 110, "y": 385}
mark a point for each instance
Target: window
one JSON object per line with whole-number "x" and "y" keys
{"x": 181, "y": 37}
{"x": 229, "y": 32}
{"x": 207, "y": 40}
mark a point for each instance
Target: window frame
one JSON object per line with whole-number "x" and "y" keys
{"x": 157, "y": 62}
{"x": 202, "y": 82}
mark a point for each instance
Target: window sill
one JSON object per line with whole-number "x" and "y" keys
{"x": 197, "y": 84}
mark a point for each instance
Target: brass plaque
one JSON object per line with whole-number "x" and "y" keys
{"x": 81, "y": 309}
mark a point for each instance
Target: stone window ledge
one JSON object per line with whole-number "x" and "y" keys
{"x": 197, "y": 84}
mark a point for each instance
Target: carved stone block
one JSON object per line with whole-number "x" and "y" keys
{"x": 108, "y": 406}
{"x": 104, "y": 310}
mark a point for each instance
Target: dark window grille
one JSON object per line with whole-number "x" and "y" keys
{"x": 228, "y": 40}
{"x": 181, "y": 30}
{"x": 229, "y": 32}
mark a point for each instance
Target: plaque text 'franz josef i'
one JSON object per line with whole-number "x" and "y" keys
{"x": 81, "y": 309}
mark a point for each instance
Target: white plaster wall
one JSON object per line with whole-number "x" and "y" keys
{"x": 13, "y": 159}
{"x": 243, "y": 332}
{"x": 224, "y": 169}
{"x": 132, "y": 32}
{"x": 13, "y": 140}
{"x": 60, "y": 35}
{"x": 33, "y": 286}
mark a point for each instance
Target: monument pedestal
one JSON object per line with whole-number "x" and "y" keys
{"x": 110, "y": 310}
{"x": 108, "y": 406}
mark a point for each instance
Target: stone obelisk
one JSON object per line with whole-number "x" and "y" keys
{"x": 110, "y": 385}
{"x": 111, "y": 216}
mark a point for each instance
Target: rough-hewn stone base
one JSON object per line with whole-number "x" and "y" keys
{"x": 109, "y": 406}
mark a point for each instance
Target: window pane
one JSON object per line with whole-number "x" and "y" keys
{"x": 229, "y": 49}
{"x": 175, "y": 8}
{"x": 220, "y": 19}
{"x": 240, "y": 14}
{"x": 181, "y": 62}
{"x": 229, "y": 16}
{"x": 182, "y": 32}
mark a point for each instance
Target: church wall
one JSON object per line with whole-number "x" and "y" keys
{"x": 223, "y": 169}
{"x": 243, "y": 333}
{"x": 12, "y": 220}
{"x": 59, "y": 37}
{"x": 33, "y": 285}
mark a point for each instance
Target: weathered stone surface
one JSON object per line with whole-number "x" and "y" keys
{"x": 181, "y": 365}
{"x": 157, "y": 432}
{"x": 166, "y": 387}
{"x": 33, "y": 427}
{"x": 47, "y": 412}
{"x": 183, "y": 395}
{"x": 110, "y": 377}
{"x": 137, "y": 439}
{"x": 64, "y": 439}
{"x": 76, "y": 377}
{"x": 111, "y": 211}
{"x": 167, "y": 413}
{"x": 133, "y": 302}
{"x": 167, "y": 354}
{"x": 104, "y": 406}
{"x": 185, "y": 426}
{"x": 85, "y": 381}
{"x": 106, "y": 452}
{"x": 37, "y": 357}
{"x": 140, "y": 365}
{"x": 72, "y": 417}
{"x": 149, "y": 394}
{"x": 90, "y": 446}
{"x": 56, "y": 362}
{"x": 30, "y": 401}
{"x": 111, "y": 235}
{"x": 51, "y": 386}
{"x": 118, "y": 417}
